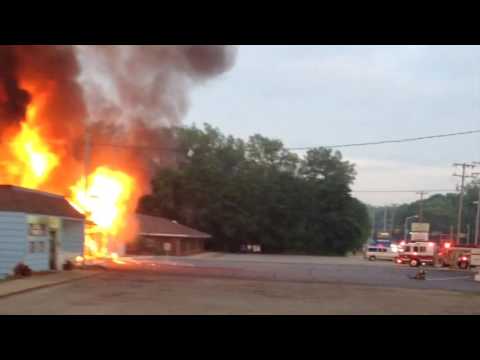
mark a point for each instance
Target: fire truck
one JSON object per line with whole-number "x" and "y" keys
{"x": 460, "y": 256}
{"x": 444, "y": 253}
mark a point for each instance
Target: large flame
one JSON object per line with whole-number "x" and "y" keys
{"x": 33, "y": 160}
{"x": 104, "y": 198}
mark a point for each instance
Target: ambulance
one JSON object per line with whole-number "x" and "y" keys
{"x": 416, "y": 253}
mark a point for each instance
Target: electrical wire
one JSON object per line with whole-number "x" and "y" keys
{"x": 381, "y": 142}
{"x": 404, "y": 191}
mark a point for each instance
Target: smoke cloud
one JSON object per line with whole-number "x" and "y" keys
{"x": 124, "y": 89}
{"x": 118, "y": 83}
{"x": 13, "y": 99}
{"x": 148, "y": 83}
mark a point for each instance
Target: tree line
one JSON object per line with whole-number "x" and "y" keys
{"x": 440, "y": 210}
{"x": 258, "y": 192}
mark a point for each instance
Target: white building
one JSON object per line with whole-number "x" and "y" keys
{"x": 39, "y": 229}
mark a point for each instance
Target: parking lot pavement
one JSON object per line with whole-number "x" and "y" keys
{"x": 353, "y": 270}
{"x": 148, "y": 292}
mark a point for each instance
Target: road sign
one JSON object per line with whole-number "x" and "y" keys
{"x": 419, "y": 236}
{"x": 421, "y": 227}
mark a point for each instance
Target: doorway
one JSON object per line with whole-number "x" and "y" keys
{"x": 53, "y": 250}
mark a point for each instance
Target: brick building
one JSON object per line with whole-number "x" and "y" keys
{"x": 160, "y": 236}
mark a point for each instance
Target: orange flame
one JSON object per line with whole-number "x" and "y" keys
{"x": 104, "y": 201}
{"x": 34, "y": 160}
{"x": 29, "y": 159}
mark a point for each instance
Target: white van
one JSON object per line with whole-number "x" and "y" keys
{"x": 379, "y": 252}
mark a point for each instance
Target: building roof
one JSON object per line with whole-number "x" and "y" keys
{"x": 17, "y": 199}
{"x": 158, "y": 226}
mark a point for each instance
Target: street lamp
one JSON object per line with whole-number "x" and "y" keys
{"x": 477, "y": 221}
{"x": 405, "y": 228}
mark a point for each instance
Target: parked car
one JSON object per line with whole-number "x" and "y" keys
{"x": 379, "y": 252}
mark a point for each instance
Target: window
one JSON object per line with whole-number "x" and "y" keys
{"x": 423, "y": 249}
{"x": 372, "y": 249}
{"x": 36, "y": 247}
{"x": 407, "y": 248}
{"x": 415, "y": 249}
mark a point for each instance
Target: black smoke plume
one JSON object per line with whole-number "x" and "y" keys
{"x": 13, "y": 99}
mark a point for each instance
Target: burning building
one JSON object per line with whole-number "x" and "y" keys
{"x": 39, "y": 229}
{"x": 88, "y": 123}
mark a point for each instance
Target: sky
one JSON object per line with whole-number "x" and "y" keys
{"x": 327, "y": 95}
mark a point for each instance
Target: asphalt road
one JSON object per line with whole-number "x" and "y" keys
{"x": 236, "y": 284}
{"x": 353, "y": 270}
{"x": 152, "y": 292}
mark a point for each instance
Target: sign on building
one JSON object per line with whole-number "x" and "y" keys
{"x": 167, "y": 247}
{"x": 419, "y": 236}
{"x": 421, "y": 227}
{"x": 37, "y": 230}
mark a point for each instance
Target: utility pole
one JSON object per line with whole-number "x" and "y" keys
{"x": 86, "y": 159}
{"x": 405, "y": 226}
{"x": 477, "y": 217}
{"x": 463, "y": 175}
{"x": 420, "y": 211}
{"x": 393, "y": 220}
{"x": 373, "y": 222}
{"x": 385, "y": 219}
{"x": 467, "y": 240}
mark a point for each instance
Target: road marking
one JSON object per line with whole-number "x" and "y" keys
{"x": 450, "y": 278}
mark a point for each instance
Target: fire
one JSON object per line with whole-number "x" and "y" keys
{"x": 30, "y": 157}
{"x": 34, "y": 160}
{"x": 104, "y": 200}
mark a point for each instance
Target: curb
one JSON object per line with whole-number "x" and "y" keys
{"x": 44, "y": 286}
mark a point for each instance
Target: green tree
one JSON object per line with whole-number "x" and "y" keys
{"x": 259, "y": 192}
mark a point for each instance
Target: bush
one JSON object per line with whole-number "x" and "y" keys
{"x": 68, "y": 265}
{"x": 22, "y": 270}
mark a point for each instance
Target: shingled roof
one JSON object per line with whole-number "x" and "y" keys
{"x": 17, "y": 199}
{"x": 158, "y": 226}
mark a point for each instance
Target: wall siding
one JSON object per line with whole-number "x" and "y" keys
{"x": 13, "y": 233}
{"x": 38, "y": 261}
{"x": 72, "y": 239}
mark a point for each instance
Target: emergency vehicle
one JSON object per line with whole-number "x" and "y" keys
{"x": 416, "y": 253}
{"x": 379, "y": 252}
{"x": 457, "y": 255}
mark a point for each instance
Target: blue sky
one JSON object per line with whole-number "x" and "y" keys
{"x": 324, "y": 95}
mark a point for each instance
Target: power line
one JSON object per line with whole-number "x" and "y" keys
{"x": 403, "y": 191}
{"x": 420, "y": 212}
{"x": 137, "y": 147}
{"x": 381, "y": 142}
